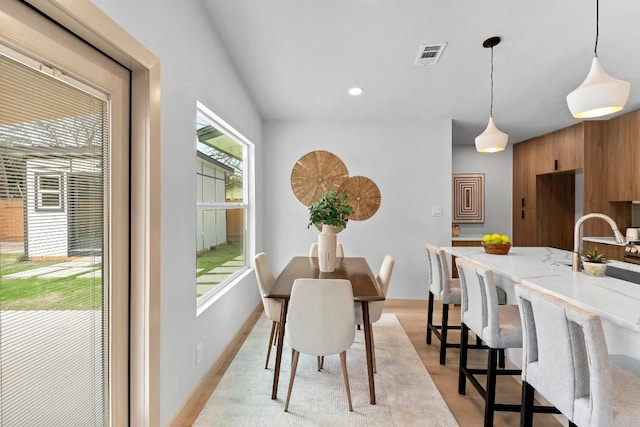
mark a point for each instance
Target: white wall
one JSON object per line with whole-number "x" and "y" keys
{"x": 498, "y": 177}
{"x": 411, "y": 164}
{"x": 194, "y": 67}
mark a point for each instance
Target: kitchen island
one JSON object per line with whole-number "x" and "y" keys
{"x": 549, "y": 270}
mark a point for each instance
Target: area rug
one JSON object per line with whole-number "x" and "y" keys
{"x": 405, "y": 393}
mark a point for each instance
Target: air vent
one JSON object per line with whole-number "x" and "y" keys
{"x": 429, "y": 54}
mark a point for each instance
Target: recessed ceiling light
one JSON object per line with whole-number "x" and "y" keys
{"x": 355, "y": 91}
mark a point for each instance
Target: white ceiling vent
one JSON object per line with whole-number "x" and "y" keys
{"x": 429, "y": 54}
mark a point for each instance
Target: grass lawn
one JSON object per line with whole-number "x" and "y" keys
{"x": 10, "y": 263}
{"x": 217, "y": 256}
{"x": 72, "y": 293}
{"x": 68, "y": 293}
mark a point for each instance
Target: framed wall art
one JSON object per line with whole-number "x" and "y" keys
{"x": 468, "y": 198}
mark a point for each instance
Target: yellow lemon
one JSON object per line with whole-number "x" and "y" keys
{"x": 505, "y": 238}
{"x": 486, "y": 238}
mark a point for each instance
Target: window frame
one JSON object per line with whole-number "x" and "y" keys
{"x": 248, "y": 240}
{"x": 40, "y": 192}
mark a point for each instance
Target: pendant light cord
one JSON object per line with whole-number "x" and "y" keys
{"x": 595, "y": 49}
{"x": 491, "y": 42}
{"x": 491, "y": 106}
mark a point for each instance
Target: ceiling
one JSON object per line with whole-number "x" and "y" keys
{"x": 298, "y": 58}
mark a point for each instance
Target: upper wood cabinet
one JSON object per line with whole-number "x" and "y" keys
{"x": 556, "y": 152}
{"x": 622, "y": 154}
{"x": 524, "y": 175}
{"x": 560, "y": 151}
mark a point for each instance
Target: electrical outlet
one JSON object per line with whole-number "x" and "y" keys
{"x": 436, "y": 211}
{"x": 198, "y": 354}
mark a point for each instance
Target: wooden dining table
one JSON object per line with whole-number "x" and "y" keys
{"x": 365, "y": 289}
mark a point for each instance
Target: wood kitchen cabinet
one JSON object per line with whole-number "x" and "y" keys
{"x": 611, "y": 252}
{"x": 556, "y": 210}
{"x": 560, "y": 151}
{"x": 461, "y": 243}
{"x": 607, "y": 172}
{"x": 524, "y": 194}
{"x": 524, "y": 227}
{"x": 622, "y": 155}
{"x": 551, "y": 222}
{"x": 544, "y": 187}
{"x": 544, "y": 180}
{"x": 524, "y": 175}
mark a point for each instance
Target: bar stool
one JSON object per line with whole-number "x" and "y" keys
{"x": 447, "y": 290}
{"x": 566, "y": 360}
{"x": 498, "y": 326}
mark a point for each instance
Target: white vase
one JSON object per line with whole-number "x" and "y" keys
{"x": 327, "y": 242}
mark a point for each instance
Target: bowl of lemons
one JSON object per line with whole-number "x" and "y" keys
{"x": 496, "y": 244}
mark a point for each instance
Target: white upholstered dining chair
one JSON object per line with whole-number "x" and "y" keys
{"x": 272, "y": 307}
{"x": 566, "y": 360}
{"x": 375, "y": 307}
{"x": 320, "y": 322}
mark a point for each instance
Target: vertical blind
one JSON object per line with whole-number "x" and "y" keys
{"x": 53, "y": 305}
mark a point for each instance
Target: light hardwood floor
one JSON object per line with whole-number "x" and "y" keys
{"x": 468, "y": 409}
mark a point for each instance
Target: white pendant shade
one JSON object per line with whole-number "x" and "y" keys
{"x": 492, "y": 139}
{"x": 599, "y": 94}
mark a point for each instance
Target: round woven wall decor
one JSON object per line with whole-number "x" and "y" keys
{"x": 364, "y": 196}
{"x": 315, "y": 173}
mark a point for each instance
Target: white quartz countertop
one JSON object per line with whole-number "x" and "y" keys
{"x": 549, "y": 269}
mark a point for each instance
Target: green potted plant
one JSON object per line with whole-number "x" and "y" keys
{"x": 331, "y": 208}
{"x": 594, "y": 262}
{"x": 331, "y": 212}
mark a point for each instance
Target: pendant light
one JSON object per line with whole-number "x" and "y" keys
{"x": 599, "y": 94}
{"x": 492, "y": 139}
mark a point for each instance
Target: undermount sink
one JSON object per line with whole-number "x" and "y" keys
{"x": 623, "y": 274}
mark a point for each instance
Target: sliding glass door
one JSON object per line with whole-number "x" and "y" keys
{"x": 64, "y": 173}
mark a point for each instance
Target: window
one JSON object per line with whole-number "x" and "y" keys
{"x": 48, "y": 191}
{"x": 222, "y": 205}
